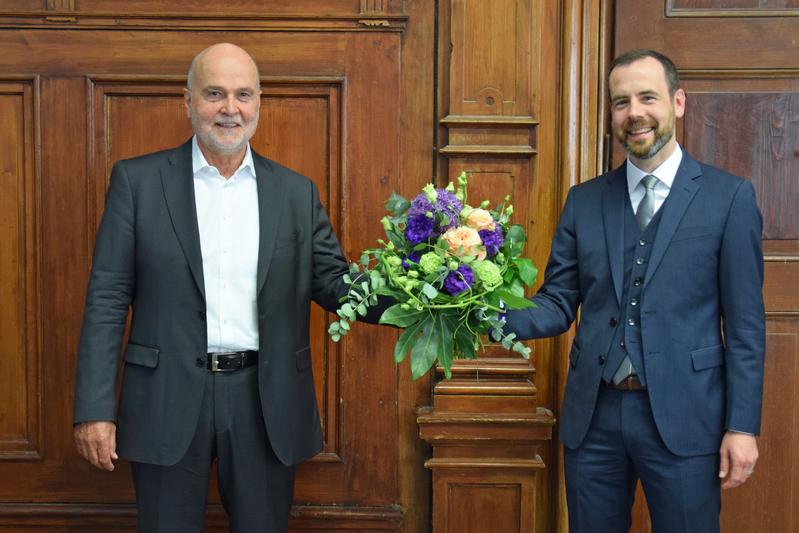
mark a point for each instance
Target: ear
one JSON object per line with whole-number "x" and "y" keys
{"x": 679, "y": 103}
{"x": 187, "y": 101}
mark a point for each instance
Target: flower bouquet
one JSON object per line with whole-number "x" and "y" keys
{"x": 453, "y": 270}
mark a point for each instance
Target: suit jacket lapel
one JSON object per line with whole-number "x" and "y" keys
{"x": 682, "y": 192}
{"x": 613, "y": 197}
{"x": 270, "y": 202}
{"x": 178, "y": 183}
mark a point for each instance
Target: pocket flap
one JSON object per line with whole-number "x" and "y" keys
{"x": 303, "y": 358}
{"x": 141, "y": 355}
{"x": 708, "y": 357}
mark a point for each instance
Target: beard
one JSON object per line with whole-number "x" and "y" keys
{"x": 643, "y": 150}
{"x": 208, "y": 134}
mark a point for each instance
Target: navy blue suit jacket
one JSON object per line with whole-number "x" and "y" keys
{"x": 702, "y": 315}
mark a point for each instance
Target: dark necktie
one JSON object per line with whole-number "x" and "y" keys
{"x": 646, "y": 209}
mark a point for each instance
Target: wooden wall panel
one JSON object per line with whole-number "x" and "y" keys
{"x": 332, "y": 109}
{"x": 20, "y": 415}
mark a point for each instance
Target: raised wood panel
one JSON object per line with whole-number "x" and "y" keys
{"x": 770, "y": 130}
{"x": 469, "y": 503}
{"x": 20, "y": 394}
{"x": 771, "y": 496}
{"x": 491, "y": 76}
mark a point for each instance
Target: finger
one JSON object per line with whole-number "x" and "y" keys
{"x": 724, "y": 464}
{"x": 104, "y": 458}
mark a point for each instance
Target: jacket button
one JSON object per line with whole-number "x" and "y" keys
{"x": 601, "y": 359}
{"x": 200, "y": 361}
{"x": 201, "y": 314}
{"x": 613, "y": 322}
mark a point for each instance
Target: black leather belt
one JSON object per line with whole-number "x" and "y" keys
{"x": 231, "y": 361}
{"x": 628, "y": 383}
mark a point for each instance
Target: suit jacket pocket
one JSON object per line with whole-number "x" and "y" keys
{"x": 142, "y": 355}
{"x": 709, "y": 357}
{"x": 695, "y": 233}
{"x": 303, "y": 358}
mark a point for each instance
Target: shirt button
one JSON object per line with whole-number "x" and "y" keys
{"x": 637, "y": 282}
{"x": 639, "y": 261}
{"x": 613, "y": 322}
{"x": 630, "y": 322}
{"x": 601, "y": 359}
{"x": 642, "y": 242}
{"x": 621, "y": 344}
{"x": 633, "y": 302}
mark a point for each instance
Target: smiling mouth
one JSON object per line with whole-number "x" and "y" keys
{"x": 638, "y": 132}
{"x": 227, "y": 124}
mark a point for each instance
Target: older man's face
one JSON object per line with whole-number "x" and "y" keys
{"x": 223, "y": 102}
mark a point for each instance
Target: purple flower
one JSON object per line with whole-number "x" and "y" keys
{"x": 419, "y": 229}
{"x": 421, "y": 226}
{"x": 459, "y": 280}
{"x": 412, "y": 257}
{"x": 492, "y": 240}
{"x": 449, "y": 205}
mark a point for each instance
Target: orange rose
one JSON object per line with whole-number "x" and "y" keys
{"x": 464, "y": 241}
{"x": 480, "y": 219}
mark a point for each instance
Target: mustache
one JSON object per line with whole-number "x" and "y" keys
{"x": 634, "y": 124}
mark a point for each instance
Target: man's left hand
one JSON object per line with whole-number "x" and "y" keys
{"x": 738, "y": 457}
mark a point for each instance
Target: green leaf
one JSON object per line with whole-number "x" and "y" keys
{"x": 336, "y": 337}
{"x": 429, "y": 291}
{"x": 402, "y": 318}
{"x": 407, "y": 339}
{"x": 424, "y": 352}
{"x": 444, "y": 344}
{"x": 516, "y": 287}
{"x": 345, "y": 325}
{"x": 527, "y": 270}
{"x": 512, "y": 301}
{"x": 522, "y": 349}
{"x": 464, "y": 342}
{"x": 516, "y": 239}
{"x": 396, "y": 204}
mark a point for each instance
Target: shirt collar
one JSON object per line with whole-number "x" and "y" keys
{"x": 666, "y": 172}
{"x": 200, "y": 165}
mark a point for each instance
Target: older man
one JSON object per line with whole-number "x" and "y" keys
{"x": 218, "y": 253}
{"x": 663, "y": 257}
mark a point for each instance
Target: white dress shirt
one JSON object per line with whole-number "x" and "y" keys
{"x": 665, "y": 174}
{"x": 227, "y": 215}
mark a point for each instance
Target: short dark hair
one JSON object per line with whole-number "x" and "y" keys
{"x": 672, "y": 78}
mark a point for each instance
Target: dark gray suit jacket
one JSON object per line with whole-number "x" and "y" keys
{"x": 147, "y": 258}
{"x": 702, "y": 315}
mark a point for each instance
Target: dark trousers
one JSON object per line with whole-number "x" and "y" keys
{"x": 623, "y": 445}
{"x": 256, "y": 489}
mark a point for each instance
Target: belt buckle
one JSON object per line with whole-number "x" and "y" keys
{"x": 215, "y": 362}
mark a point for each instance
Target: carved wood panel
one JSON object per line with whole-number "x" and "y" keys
{"x": 20, "y": 327}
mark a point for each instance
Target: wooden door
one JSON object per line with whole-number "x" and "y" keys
{"x": 739, "y": 64}
{"x": 85, "y": 84}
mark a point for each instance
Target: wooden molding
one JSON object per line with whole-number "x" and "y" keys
{"x": 78, "y": 20}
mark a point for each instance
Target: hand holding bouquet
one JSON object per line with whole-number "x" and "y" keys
{"x": 453, "y": 270}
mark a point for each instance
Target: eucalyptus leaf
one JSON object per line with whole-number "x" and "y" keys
{"x": 429, "y": 291}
